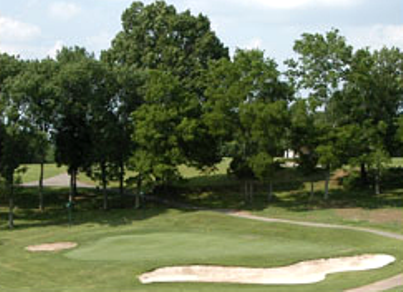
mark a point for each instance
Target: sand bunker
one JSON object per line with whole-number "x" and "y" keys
{"x": 51, "y": 246}
{"x": 300, "y": 273}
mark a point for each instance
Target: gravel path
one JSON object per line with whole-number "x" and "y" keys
{"x": 61, "y": 180}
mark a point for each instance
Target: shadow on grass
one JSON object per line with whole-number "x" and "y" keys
{"x": 291, "y": 193}
{"x": 87, "y": 209}
{"x": 210, "y": 192}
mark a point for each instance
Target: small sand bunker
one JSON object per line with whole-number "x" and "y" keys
{"x": 300, "y": 273}
{"x": 51, "y": 246}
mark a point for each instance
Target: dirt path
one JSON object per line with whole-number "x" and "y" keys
{"x": 61, "y": 180}
{"x": 383, "y": 285}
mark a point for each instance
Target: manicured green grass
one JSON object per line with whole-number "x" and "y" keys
{"x": 397, "y": 289}
{"x": 30, "y": 172}
{"x": 292, "y": 200}
{"x": 117, "y": 246}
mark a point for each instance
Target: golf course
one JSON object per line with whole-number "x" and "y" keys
{"x": 115, "y": 248}
{"x": 201, "y": 146}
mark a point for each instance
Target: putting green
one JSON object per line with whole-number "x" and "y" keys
{"x": 196, "y": 247}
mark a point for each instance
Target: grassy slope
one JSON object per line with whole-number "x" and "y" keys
{"x": 30, "y": 172}
{"x": 223, "y": 240}
{"x": 216, "y": 190}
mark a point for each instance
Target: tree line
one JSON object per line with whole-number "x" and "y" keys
{"x": 167, "y": 93}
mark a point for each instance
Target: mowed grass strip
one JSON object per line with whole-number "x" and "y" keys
{"x": 121, "y": 245}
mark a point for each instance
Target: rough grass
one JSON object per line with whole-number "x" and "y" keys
{"x": 117, "y": 246}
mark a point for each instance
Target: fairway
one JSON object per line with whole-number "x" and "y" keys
{"x": 110, "y": 257}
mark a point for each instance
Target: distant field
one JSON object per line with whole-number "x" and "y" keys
{"x": 31, "y": 172}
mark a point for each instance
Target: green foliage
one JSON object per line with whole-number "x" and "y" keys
{"x": 76, "y": 87}
{"x": 157, "y": 37}
{"x": 156, "y": 123}
{"x": 321, "y": 66}
{"x": 246, "y": 108}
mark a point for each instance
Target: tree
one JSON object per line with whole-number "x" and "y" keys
{"x": 245, "y": 98}
{"x": 76, "y": 85}
{"x": 103, "y": 123}
{"x": 13, "y": 139}
{"x": 129, "y": 98}
{"x": 320, "y": 70}
{"x": 323, "y": 61}
{"x": 157, "y": 37}
{"x": 371, "y": 101}
{"x": 265, "y": 122}
{"x": 14, "y": 151}
{"x": 303, "y": 138}
{"x": 33, "y": 90}
{"x": 156, "y": 128}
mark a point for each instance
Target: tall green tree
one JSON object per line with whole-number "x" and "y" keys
{"x": 303, "y": 138}
{"x": 371, "y": 102}
{"x": 264, "y": 123}
{"x": 14, "y": 150}
{"x": 157, "y": 37}
{"x": 13, "y": 139}
{"x": 321, "y": 66}
{"x": 34, "y": 91}
{"x": 319, "y": 71}
{"x": 76, "y": 83}
{"x": 244, "y": 97}
{"x": 156, "y": 122}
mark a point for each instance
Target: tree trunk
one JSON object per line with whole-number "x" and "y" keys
{"x": 11, "y": 202}
{"x": 312, "y": 190}
{"x": 72, "y": 186}
{"x": 377, "y": 183}
{"x": 104, "y": 192}
{"x": 121, "y": 178}
{"x": 138, "y": 193}
{"x": 251, "y": 192}
{"x": 75, "y": 183}
{"x": 363, "y": 174}
{"x": 246, "y": 196}
{"x": 327, "y": 181}
{"x": 270, "y": 194}
{"x": 41, "y": 205}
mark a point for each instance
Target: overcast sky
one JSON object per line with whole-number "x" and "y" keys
{"x": 38, "y": 28}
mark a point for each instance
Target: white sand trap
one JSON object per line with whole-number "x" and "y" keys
{"x": 300, "y": 273}
{"x": 51, "y": 246}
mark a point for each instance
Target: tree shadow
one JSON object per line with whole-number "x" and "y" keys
{"x": 291, "y": 193}
{"x": 87, "y": 209}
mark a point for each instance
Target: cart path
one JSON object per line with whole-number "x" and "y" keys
{"x": 379, "y": 286}
{"x": 61, "y": 180}
{"x": 247, "y": 215}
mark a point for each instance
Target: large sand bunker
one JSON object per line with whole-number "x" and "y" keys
{"x": 51, "y": 246}
{"x": 300, "y": 273}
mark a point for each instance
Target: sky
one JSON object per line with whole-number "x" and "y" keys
{"x": 39, "y": 28}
